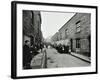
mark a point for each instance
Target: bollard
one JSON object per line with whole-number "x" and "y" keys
{"x": 44, "y": 60}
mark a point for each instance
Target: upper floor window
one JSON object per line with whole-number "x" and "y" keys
{"x": 66, "y": 33}
{"x": 78, "y": 27}
{"x": 60, "y": 36}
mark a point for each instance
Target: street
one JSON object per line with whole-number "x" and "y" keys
{"x": 55, "y": 59}
{"x": 71, "y": 41}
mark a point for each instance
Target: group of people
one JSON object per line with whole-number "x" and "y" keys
{"x": 28, "y": 53}
{"x": 62, "y": 48}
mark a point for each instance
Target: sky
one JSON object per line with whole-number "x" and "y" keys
{"x": 53, "y": 21}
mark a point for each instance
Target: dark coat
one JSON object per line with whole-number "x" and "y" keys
{"x": 26, "y": 55}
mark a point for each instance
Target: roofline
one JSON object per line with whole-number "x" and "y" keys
{"x": 68, "y": 21}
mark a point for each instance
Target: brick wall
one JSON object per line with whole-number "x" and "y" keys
{"x": 32, "y": 25}
{"x": 85, "y": 31}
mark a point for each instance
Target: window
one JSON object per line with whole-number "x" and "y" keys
{"x": 60, "y": 36}
{"x": 78, "y": 28}
{"x": 66, "y": 33}
{"x": 32, "y": 17}
{"x": 77, "y": 43}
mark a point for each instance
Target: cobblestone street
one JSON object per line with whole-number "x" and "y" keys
{"x": 55, "y": 59}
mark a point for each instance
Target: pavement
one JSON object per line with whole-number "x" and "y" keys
{"x": 82, "y": 57}
{"x": 36, "y": 61}
{"x": 39, "y": 61}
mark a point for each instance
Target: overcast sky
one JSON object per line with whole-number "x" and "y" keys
{"x": 53, "y": 21}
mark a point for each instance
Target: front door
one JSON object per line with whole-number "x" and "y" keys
{"x": 71, "y": 41}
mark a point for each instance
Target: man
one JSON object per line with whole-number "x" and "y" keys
{"x": 26, "y": 55}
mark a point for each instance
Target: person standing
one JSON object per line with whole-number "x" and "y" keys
{"x": 26, "y": 55}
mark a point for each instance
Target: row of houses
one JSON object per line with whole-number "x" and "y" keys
{"x": 32, "y": 27}
{"x": 76, "y": 33}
